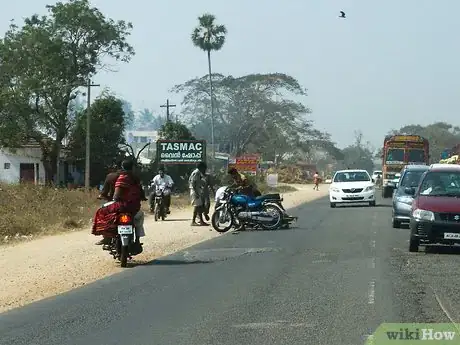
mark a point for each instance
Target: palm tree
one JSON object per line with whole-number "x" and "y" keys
{"x": 208, "y": 36}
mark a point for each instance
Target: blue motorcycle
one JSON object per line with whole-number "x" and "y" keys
{"x": 235, "y": 210}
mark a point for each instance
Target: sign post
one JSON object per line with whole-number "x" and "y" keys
{"x": 246, "y": 163}
{"x": 181, "y": 151}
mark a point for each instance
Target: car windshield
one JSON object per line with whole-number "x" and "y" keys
{"x": 411, "y": 179}
{"x": 441, "y": 183}
{"x": 416, "y": 156}
{"x": 351, "y": 176}
{"x": 395, "y": 155}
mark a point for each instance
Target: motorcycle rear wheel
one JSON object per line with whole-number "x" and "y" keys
{"x": 124, "y": 256}
{"x": 276, "y": 212}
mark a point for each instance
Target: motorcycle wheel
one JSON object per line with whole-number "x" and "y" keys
{"x": 157, "y": 213}
{"x": 276, "y": 212}
{"x": 124, "y": 256}
{"x": 215, "y": 222}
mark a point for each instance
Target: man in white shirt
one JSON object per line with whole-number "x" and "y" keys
{"x": 165, "y": 180}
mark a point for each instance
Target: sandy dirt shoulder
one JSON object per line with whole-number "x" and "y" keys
{"x": 51, "y": 265}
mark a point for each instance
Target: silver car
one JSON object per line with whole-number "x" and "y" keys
{"x": 402, "y": 202}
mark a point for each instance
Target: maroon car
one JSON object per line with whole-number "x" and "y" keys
{"x": 435, "y": 215}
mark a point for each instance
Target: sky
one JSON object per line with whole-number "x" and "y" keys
{"x": 388, "y": 64}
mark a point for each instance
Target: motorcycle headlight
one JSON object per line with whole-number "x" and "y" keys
{"x": 423, "y": 215}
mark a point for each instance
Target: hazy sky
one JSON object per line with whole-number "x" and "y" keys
{"x": 390, "y": 63}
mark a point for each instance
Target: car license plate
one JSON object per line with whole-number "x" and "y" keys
{"x": 125, "y": 229}
{"x": 353, "y": 196}
{"x": 451, "y": 236}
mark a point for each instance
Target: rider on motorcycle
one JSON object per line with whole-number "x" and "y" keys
{"x": 165, "y": 181}
{"x": 242, "y": 183}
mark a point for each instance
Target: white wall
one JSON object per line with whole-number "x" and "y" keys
{"x": 25, "y": 155}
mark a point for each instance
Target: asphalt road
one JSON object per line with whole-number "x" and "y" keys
{"x": 331, "y": 280}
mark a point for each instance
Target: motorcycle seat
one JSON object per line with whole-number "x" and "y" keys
{"x": 275, "y": 196}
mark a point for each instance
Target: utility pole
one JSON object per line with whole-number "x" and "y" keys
{"x": 88, "y": 132}
{"x": 167, "y": 106}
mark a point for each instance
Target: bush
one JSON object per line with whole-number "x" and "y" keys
{"x": 30, "y": 210}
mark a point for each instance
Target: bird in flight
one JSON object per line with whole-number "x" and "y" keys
{"x": 342, "y": 14}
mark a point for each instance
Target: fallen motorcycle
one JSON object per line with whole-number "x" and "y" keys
{"x": 238, "y": 211}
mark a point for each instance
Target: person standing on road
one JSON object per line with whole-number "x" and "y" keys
{"x": 208, "y": 188}
{"x": 316, "y": 180}
{"x": 197, "y": 184}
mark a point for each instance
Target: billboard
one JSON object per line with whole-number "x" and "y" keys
{"x": 181, "y": 151}
{"x": 246, "y": 163}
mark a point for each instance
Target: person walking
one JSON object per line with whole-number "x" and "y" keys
{"x": 316, "y": 180}
{"x": 196, "y": 185}
{"x": 207, "y": 190}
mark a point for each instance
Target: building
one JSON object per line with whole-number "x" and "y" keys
{"x": 24, "y": 164}
{"x": 141, "y": 137}
{"x": 137, "y": 139}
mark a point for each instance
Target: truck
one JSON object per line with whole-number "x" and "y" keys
{"x": 398, "y": 151}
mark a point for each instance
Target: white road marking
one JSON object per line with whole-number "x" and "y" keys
{"x": 371, "y": 292}
{"x": 276, "y": 324}
{"x": 320, "y": 261}
{"x": 373, "y": 263}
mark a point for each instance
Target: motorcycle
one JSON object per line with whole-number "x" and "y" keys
{"x": 239, "y": 211}
{"x": 123, "y": 245}
{"x": 159, "y": 208}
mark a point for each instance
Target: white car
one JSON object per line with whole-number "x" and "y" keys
{"x": 351, "y": 186}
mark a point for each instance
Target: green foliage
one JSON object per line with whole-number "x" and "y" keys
{"x": 440, "y": 135}
{"x": 254, "y": 113}
{"x": 107, "y": 126}
{"x": 47, "y": 60}
{"x": 175, "y": 131}
{"x": 209, "y": 36}
{"x": 357, "y": 156}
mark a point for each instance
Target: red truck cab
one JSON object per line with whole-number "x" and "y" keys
{"x": 435, "y": 214}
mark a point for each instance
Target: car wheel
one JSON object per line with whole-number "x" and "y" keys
{"x": 372, "y": 203}
{"x": 332, "y": 204}
{"x": 413, "y": 244}
{"x": 396, "y": 223}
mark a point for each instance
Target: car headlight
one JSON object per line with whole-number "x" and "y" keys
{"x": 335, "y": 190}
{"x": 369, "y": 188}
{"x": 405, "y": 200}
{"x": 423, "y": 215}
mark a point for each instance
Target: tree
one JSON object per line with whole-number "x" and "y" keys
{"x": 107, "y": 128}
{"x": 129, "y": 115}
{"x": 47, "y": 60}
{"x": 358, "y": 156}
{"x": 440, "y": 135}
{"x": 208, "y": 36}
{"x": 146, "y": 120}
{"x": 255, "y": 113}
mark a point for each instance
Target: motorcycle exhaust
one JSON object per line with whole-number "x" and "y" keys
{"x": 260, "y": 216}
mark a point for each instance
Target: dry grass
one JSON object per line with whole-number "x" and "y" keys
{"x": 27, "y": 210}
{"x": 37, "y": 210}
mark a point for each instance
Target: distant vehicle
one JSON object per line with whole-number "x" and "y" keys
{"x": 400, "y": 150}
{"x": 402, "y": 202}
{"x": 328, "y": 179}
{"x": 351, "y": 186}
{"x": 435, "y": 212}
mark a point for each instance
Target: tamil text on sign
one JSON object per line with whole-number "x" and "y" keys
{"x": 181, "y": 151}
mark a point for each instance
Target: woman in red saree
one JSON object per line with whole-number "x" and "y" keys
{"x": 127, "y": 197}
